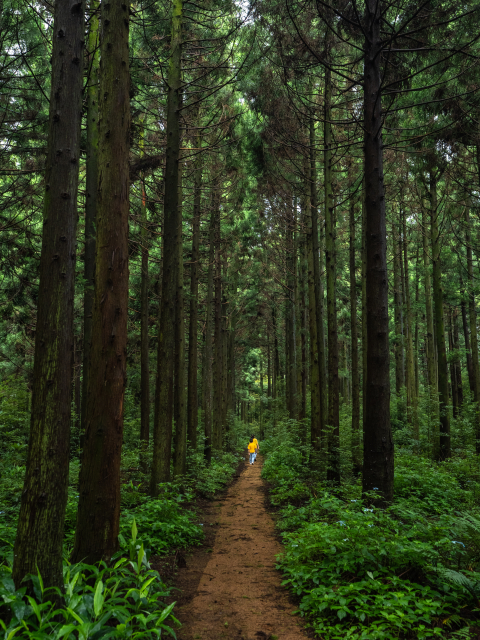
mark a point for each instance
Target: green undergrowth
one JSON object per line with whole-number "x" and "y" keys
{"x": 124, "y": 600}
{"x": 409, "y": 571}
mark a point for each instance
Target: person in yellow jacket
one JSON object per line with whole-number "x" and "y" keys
{"x": 251, "y": 450}
{"x": 257, "y": 447}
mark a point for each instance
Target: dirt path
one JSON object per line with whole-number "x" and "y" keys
{"x": 237, "y": 592}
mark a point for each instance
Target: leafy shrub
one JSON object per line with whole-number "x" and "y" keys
{"x": 359, "y": 572}
{"x": 123, "y": 601}
{"x": 165, "y": 525}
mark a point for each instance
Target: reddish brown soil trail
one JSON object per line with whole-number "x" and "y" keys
{"x": 239, "y": 594}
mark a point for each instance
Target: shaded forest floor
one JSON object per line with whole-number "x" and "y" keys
{"x": 229, "y": 587}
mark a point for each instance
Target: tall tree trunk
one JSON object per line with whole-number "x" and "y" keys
{"x": 457, "y": 361}
{"x": 217, "y": 423}
{"x": 192, "y": 401}
{"x": 417, "y": 300}
{"x": 430, "y": 341}
{"x": 397, "y": 300}
{"x": 90, "y": 196}
{"x": 378, "y": 459}
{"x": 364, "y": 306}
{"x": 179, "y": 395}
{"x": 356, "y": 454}
{"x": 315, "y": 394}
{"x": 333, "y": 469}
{"x": 412, "y": 400}
{"x": 39, "y": 539}
{"x": 144, "y": 341}
{"x": 207, "y": 364}
{"x": 453, "y": 370}
{"x": 466, "y": 335}
{"x": 77, "y": 365}
{"x": 302, "y": 323}
{"x": 99, "y": 486}
{"x": 444, "y": 449}
{"x": 269, "y": 368}
{"x": 317, "y": 280}
{"x": 473, "y": 330}
{"x": 162, "y": 430}
{"x": 290, "y": 344}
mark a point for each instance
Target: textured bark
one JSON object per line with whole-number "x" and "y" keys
{"x": 430, "y": 341}
{"x": 179, "y": 396}
{"x": 412, "y": 400}
{"x": 276, "y": 355}
{"x": 317, "y": 279}
{"x": 207, "y": 363}
{"x": 444, "y": 447}
{"x": 333, "y": 470}
{"x": 217, "y": 418}
{"x": 302, "y": 325}
{"x": 378, "y": 459}
{"x": 452, "y": 367}
{"x": 364, "y": 306}
{"x": 192, "y": 400}
{"x": 356, "y": 454}
{"x": 398, "y": 306}
{"x": 269, "y": 374}
{"x": 473, "y": 329}
{"x": 162, "y": 434}
{"x": 90, "y": 196}
{"x": 144, "y": 341}
{"x": 99, "y": 485}
{"x": 315, "y": 396}
{"x": 466, "y": 336}
{"x": 457, "y": 360}
{"x": 290, "y": 346}
{"x": 39, "y": 540}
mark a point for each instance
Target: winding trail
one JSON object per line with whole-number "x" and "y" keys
{"x": 237, "y": 592}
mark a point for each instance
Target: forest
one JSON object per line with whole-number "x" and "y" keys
{"x": 221, "y": 218}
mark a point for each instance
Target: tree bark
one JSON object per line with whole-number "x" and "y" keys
{"x": 364, "y": 306}
{"x": 444, "y": 447}
{"x": 356, "y": 454}
{"x": 412, "y": 400}
{"x": 457, "y": 360}
{"x": 430, "y": 341}
{"x": 179, "y": 395}
{"x": 162, "y": 435}
{"x": 144, "y": 341}
{"x": 99, "y": 486}
{"x": 317, "y": 280}
{"x": 397, "y": 298}
{"x": 217, "y": 422}
{"x": 333, "y": 469}
{"x": 466, "y": 336}
{"x": 207, "y": 365}
{"x": 39, "y": 539}
{"x": 290, "y": 344}
{"x": 315, "y": 395}
{"x": 473, "y": 330}
{"x": 90, "y": 196}
{"x": 192, "y": 401}
{"x": 452, "y": 367}
{"x": 378, "y": 461}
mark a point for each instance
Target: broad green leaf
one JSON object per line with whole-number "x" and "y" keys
{"x": 134, "y": 530}
{"x": 98, "y": 599}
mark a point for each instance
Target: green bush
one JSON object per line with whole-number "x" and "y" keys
{"x": 359, "y": 572}
{"x": 122, "y": 601}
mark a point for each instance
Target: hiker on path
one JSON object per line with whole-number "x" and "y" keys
{"x": 257, "y": 447}
{"x": 251, "y": 450}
